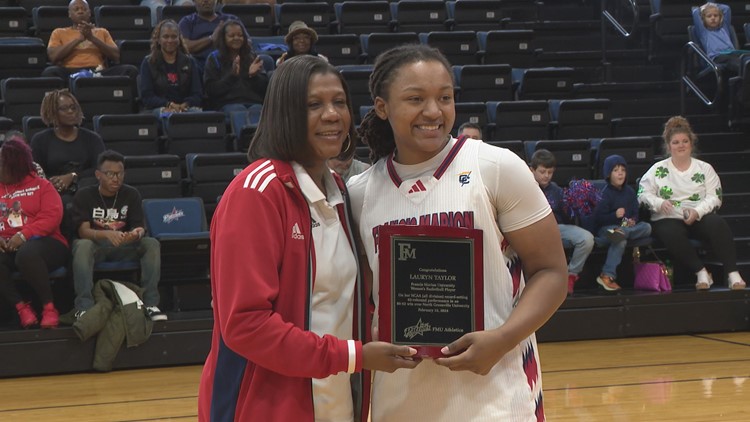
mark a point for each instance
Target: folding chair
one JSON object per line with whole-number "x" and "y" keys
{"x": 573, "y": 158}
{"x": 209, "y": 175}
{"x": 257, "y": 18}
{"x": 195, "y": 132}
{"x": 459, "y": 47}
{"x": 638, "y": 152}
{"x": 23, "y": 57}
{"x": 363, "y": 17}
{"x": 475, "y": 15}
{"x": 581, "y": 118}
{"x": 12, "y": 22}
{"x": 420, "y": 16}
{"x": 129, "y": 134}
{"x": 378, "y": 42}
{"x": 104, "y": 95}
{"x": 488, "y": 82}
{"x": 23, "y": 96}
{"x": 516, "y": 48}
{"x": 48, "y": 18}
{"x": 518, "y": 120}
{"x": 180, "y": 226}
{"x": 317, "y": 15}
{"x": 124, "y": 22}
{"x": 340, "y": 49}
{"x": 155, "y": 176}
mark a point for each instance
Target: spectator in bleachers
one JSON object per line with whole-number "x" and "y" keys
{"x": 30, "y": 238}
{"x": 15, "y": 134}
{"x": 170, "y": 81}
{"x": 616, "y": 218}
{"x": 284, "y": 267}
{"x": 347, "y": 168}
{"x": 684, "y": 194}
{"x": 543, "y": 164}
{"x": 201, "y": 29}
{"x": 234, "y": 77}
{"x": 108, "y": 218}
{"x": 299, "y": 40}
{"x": 155, "y": 5}
{"x": 66, "y": 151}
{"x": 712, "y": 23}
{"x": 470, "y": 130}
{"x": 83, "y": 46}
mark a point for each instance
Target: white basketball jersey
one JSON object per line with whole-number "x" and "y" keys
{"x": 448, "y": 190}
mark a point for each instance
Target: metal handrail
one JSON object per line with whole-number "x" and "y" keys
{"x": 688, "y": 83}
{"x": 608, "y": 18}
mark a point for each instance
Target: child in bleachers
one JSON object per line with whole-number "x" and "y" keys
{"x": 713, "y": 28}
{"x": 616, "y": 218}
{"x": 543, "y": 165}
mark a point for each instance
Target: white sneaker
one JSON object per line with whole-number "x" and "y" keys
{"x": 155, "y": 313}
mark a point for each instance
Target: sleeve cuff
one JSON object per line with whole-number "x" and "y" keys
{"x": 355, "y": 356}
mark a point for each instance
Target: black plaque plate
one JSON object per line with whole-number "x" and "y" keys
{"x": 431, "y": 285}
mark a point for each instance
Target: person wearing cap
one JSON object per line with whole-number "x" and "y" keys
{"x": 300, "y": 40}
{"x": 616, "y": 218}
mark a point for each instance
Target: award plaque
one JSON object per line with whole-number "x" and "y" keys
{"x": 431, "y": 285}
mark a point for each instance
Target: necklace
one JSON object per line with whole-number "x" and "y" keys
{"x": 114, "y": 203}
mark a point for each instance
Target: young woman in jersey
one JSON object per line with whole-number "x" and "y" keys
{"x": 288, "y": 299}
{"x": 490, "y": 375}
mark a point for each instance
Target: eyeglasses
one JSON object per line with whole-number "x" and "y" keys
{"x": 114, "y": 174}
{"x": 70, "y": 108}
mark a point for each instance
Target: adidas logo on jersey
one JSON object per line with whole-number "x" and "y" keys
{"x": 417, "y": 187}
{"x": 315, "y": 223}
{"x": 297, "y": 233}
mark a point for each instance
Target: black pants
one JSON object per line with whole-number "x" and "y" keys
{"x": 34, "y": 260}
{"x": 711, "y": 229}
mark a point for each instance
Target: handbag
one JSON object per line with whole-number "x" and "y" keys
{"x": 651, "y": 276}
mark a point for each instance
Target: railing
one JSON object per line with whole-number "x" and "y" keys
{"x": 690, "y": 52}
{"x": 609, "y": 19}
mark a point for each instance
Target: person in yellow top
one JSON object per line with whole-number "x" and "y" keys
{"x": 83, "y": 46}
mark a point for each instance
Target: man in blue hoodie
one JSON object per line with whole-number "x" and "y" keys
{"x": 616, "y": 218}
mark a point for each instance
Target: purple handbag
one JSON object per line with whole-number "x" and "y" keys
{"x": 651, "y": 276}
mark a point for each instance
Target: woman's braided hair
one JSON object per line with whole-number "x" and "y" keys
{"x": 49, "y": 108}
{"x": 374, "y": 131}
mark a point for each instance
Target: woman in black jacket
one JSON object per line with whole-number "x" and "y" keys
{"x": 169, "y": 79}
{"x": 234, "y": 76}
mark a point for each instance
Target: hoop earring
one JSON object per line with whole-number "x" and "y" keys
{"x": 349, "y": 143}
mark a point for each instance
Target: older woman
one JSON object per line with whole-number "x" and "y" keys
{"x": 299, "y": 40}
{"x": 234, "y": 77}
{"x": 287, "y": 292}
{"x": 170, "y": 80}
{"x": 30, "y": 237}
{"x": 683, "y": 194}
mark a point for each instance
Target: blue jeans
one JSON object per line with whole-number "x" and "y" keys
{"x": 87, "y": 252}
{"x": 615, "y": 251}
{"x": 582, "y": 242}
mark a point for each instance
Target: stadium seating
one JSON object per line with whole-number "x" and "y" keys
{"x": 23, "y": 96}
{"x": 22, "y": 57}
{"x": 129, "y": 134}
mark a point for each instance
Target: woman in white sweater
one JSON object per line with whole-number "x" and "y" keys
{"x": 683, "y": 194}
